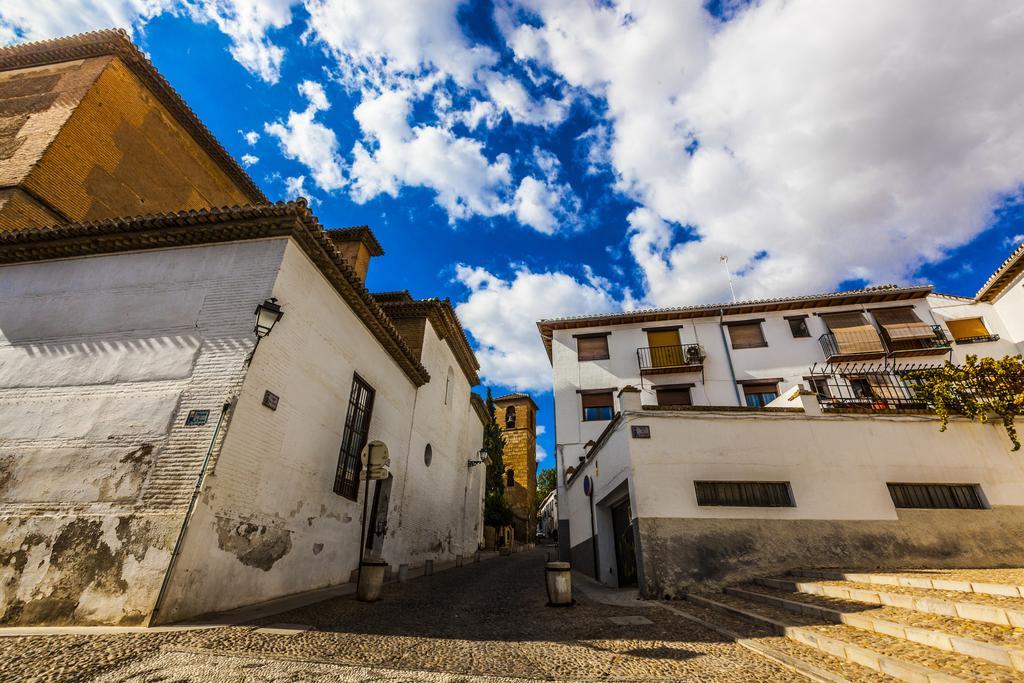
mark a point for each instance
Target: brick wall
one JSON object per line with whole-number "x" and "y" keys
{"x": 521, "y": 456}
{"x": 89, "y": 140}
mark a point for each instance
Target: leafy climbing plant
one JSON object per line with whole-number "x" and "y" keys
{"x": 980, "y": 389}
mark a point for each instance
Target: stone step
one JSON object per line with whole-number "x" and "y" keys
{"x": 916, "y": 580}
{"x": 884, "y": 654}
{"x": 985, "y": 608}
{"x": 921, "y": 631}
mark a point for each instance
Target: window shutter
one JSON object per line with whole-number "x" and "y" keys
{"x": 967, "y": 329}
{"x": 601, "y": 400}
{"x": 853, "y": 333}
{"x": 902, "y": 324}
{"x": 674, "y": 397}
{"x": 746, "y": 336}
{"x": 592, "y": 348}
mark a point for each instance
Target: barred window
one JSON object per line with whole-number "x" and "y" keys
{"x": 357, "y": 427}
{"x": 937, "y": 496}
{"x": 768, "y": 494}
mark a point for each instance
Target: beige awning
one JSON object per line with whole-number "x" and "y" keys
{"x": 903, "y": 324}
{"x": 853, "y": 333}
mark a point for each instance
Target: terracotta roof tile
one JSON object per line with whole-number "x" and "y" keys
{"x": 1003, "y": 275}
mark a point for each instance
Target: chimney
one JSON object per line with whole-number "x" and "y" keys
{"x": 358, "y": 246}
{"x": 629, "y": 399}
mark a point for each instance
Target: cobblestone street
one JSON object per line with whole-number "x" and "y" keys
{"x": 484, "y": 622}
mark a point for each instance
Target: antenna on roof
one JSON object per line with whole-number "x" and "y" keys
{"x": 725, "y": 262}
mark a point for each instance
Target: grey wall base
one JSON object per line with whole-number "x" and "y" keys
{"x": 582, "y": 557}
{"x": 563, "y": 541}
{"x": 680, "y": 555}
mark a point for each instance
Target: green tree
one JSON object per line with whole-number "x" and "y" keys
{"x": 978, "y": 389}
{"x": 497, "y": 512}
{"x": 547, "y": 480}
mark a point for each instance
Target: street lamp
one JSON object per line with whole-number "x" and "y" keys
{"x": 267, "y": 315}
{"x": 484, "y": 459}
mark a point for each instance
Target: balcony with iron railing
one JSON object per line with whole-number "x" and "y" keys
{"x": 667, "y": 359}
{"x": 870, "y": 345}
{"x": 980, "y": 339}
{"x": 852, "y": 346}
{"x": 936, "y": 345}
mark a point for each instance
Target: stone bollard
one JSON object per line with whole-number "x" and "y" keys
{"x": 371, "y": 579}
{"x": 458, "y": 560}
{"x": 558, "y": 582}
{"x": 428, "y": 568}
{"x": 505, "y": 550}
{"x": 403, "y": 573}
{"x": 476, "y": 557}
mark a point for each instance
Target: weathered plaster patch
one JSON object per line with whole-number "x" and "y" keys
{"x": 317, "y": 548}
{"x": 255, "y": 545}
{"x": 73, "y": 570}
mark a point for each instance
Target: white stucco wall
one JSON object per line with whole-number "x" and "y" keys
{"x": 1010, "y": 308}
{"x": 268, "y": 522}
{"x": 837, "y": 466}
{"x": 997, "y": 322}
{"x": 101, "y": 359}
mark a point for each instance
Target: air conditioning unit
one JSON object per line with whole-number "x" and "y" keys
{"x": 693, "y": 355}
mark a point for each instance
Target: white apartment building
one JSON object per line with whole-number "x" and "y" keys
{"x": 683, "y": 439}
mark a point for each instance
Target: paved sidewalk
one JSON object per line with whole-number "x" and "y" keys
{"x": 487, "y": 620}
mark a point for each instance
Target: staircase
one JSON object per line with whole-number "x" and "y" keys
{"x": 910, "y": 626}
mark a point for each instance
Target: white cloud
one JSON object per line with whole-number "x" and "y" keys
{"x": 387, "y": 40}
{"x": 544, "y": 207}
{"x": 252, "y": 137}
{"x": 295, "y": 187}
{"x": 499, "y": 313}
{"x": 250, "y": 159}
{"x": 832, "y": 140}
{"x": 545, "y": 204}
{"x": 310, "y": 142}
{"x": 1014, "y": 240}
{"x": 541, "y": 429}
{"x": 245, "y": 22}
{"x": 397, "y": 154}
{"x": 41, "y": 19}
{"x": 508, "y": 94}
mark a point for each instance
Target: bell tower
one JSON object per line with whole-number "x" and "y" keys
{"x": 516, "y": 414}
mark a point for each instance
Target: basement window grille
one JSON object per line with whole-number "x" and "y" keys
{"x": 937, "y": 496}
{"x": 762, "y": 494}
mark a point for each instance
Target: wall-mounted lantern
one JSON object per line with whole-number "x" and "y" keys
{"x": 267, "y": 315}
{"x": 484, "y": 459}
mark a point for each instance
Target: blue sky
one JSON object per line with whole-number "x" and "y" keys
{"x": 532, "y": 159}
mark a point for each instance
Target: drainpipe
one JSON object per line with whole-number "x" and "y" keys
{"x": 225, "y": 409}
{"x": 728, "y": 356}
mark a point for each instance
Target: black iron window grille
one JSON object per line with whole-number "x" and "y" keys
{"x": 937, "y": 496}
{"x": 765, "y": 494}
{"x": 357, "y": 427}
